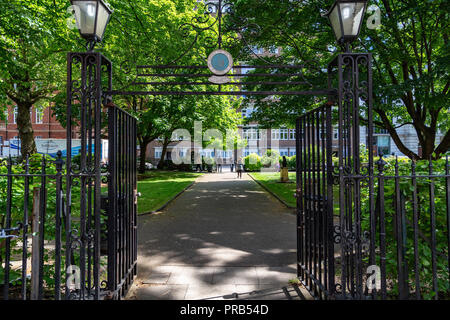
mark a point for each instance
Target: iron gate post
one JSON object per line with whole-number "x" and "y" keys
{"x": 85, "y": 72}
{"x": 354, "y": 83}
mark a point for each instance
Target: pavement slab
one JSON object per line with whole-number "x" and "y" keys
{"x": 223, "y": 236}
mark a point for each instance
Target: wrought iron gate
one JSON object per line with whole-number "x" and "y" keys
{"x": 83, "y": 256}
{"x": 62, "y": 221}
{"x": 315, "y": 249}
{"x": 340, "y": 238}
{"x": 366, "y": 229}
{"x": 333, "y": 245}
{"x": 122, "y": 202}
{"x": 114, "y": 239}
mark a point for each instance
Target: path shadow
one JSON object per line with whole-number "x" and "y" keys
{"x": 222, "y": 225}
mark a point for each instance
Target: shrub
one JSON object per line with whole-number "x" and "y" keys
{"x": 269, "y": 158}
{"x": 291, "y": 162}
{"x": 18, "y": 203}
{"x": 252, "y": 162}
{"x": 424, "y": 222}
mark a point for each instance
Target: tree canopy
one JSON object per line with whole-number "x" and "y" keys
{"x": 410, "y": 48}
{"x": 154, "y": 33}
{"x": 36, "y": 36}
{"x": 411, "y": 62}
{"x": 34, "y": 40}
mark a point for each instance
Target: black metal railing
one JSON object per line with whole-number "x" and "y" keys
{"x": 32, "y": 220}
{"x": 60, "y": 237}
{"x": 50, "y": 229}
{"x": 410, "y": 227}
{"x": 369, "y": 231}
{"x": 369, "y": 227}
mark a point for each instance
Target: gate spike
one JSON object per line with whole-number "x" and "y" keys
{"x": 381, "y": 164}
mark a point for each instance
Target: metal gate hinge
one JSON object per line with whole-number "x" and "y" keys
{"x": 4, "y": 235}
{"x": 136, "y": 196}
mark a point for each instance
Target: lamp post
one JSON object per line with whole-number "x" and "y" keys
{"x": 354, "y": 91}
{"x": 346, "y": 18}
{"x": 85, "y": 89}
{"x": 92, "y": 17}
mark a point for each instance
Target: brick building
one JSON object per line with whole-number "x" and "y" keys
{"x": 45, "y": 126}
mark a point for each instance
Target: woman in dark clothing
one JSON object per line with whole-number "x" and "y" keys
{"x": 239, "y": 170}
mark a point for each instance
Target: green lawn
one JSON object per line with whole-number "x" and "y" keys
{"x": 158, "y": 187}
{"x": 286, "y": 191}
{"x": 271, "y": 180}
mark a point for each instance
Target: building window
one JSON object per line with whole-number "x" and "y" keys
{"x": 182, "y": 153}
{"x": 251, "y": 134}
{"x": 382, "y": 145}
{"x": 275, "y": 134}
{"x": 250, "y": 151}
{"x": 15, "y": 115}
{"x": 1, "y": 140}
{"x": 158, "y": 153}
{"x": 284, "y": 134}
{"x": 39, "y": 116}
{"x": 208, "y": 153}
{"x": 38, "y": 137}
{"x": 380, "y": 131}
{"x": 292, "y": 134}
{"x": 284, "y": 152}
{"x": 176, "y": 136}
{"x": 292, "y": 153}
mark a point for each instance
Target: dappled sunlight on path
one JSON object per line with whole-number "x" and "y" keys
{"x": 221, "y": 235}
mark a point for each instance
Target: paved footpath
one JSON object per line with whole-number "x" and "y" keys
{"x": 223, "y": 238}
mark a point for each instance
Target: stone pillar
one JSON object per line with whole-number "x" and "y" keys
{"x": 284, "y": 174}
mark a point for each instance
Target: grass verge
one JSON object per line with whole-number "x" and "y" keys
{"x": 285, "y": 191}
{"x": 158, "y": 187}
{"x": 271, "y": 180}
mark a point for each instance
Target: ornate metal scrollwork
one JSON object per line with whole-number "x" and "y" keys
{"x": 337, "y": 234}
{"x": 90, "y": 234}
{"x": 365, "y": 242}
{"x": 209, "y": 19}
{"x": 338, "y": 288}
{"x": 349, "y": 239}
{"x": 104, "y": 285}
{"x": 75, "y": 240}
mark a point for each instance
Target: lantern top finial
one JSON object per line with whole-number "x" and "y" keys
{"x": 92, "y": 17}
{"x": 346, "y": 17}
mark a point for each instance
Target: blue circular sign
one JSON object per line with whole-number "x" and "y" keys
{"x": 220, "y": 62}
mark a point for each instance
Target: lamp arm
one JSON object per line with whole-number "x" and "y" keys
{"x": 90, "y": 45}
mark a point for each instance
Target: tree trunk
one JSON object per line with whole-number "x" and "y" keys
{"x": 142, "y": 157}
{"x": 163, "y": 154}
{"x": 25, "y": 128}
{"x": 444, "y": 146}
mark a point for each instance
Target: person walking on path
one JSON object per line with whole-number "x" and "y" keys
{"x": 239, "y": 169}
